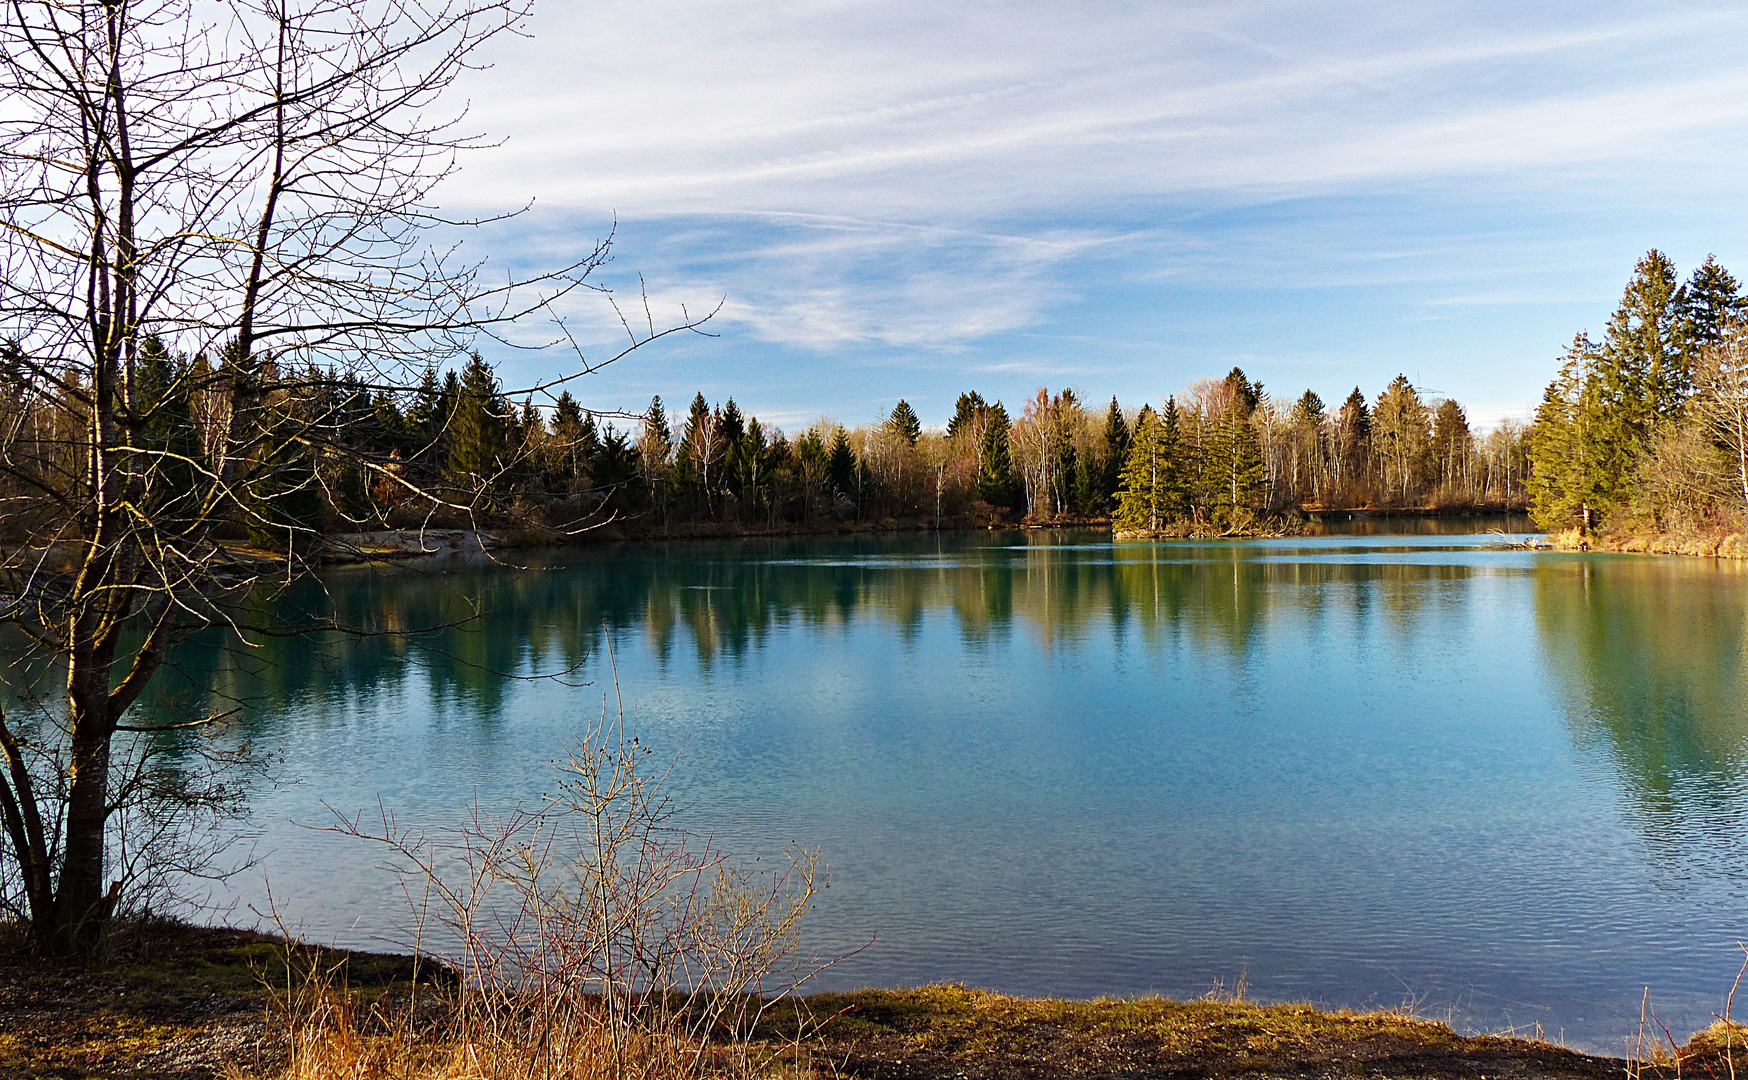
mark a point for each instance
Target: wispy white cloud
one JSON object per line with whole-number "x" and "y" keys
{"x": 920, "y": 178}
{"x": 972, "y": 112}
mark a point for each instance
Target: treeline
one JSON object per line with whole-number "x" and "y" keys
{"x": 303, "y": 454}
{"x": 1227, "y": 453}
{"x": 1646, "y": 430}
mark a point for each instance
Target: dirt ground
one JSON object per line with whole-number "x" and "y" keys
{"x": 182, "y": 1002}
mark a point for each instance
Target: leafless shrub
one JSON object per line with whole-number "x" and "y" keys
{"x": 591, "y": 937}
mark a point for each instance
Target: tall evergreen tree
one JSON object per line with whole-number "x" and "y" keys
{"x": 904, "y": 423}
{"x": 1248, "y": 394}
{"x": 697, "y": 458}
{"x": 841, "y": 463}
{"x": 967, "y": 411}
{"x": 1151, "y": 497}
{"x": 1117, "y": 441}
{"x": 1710, "y": 303}
{"x": 165, "y": 412}
{"x": 995, "y": 480}
{"x": 1451, "y": 441}
{"x": 477, "y": 434}
{"x": 1401, "y": 435}
{"x": 732, "y": 425}
{"x": 1644, "y": 358}
{"x": 575, "y": 443}
{"x": 655, "y": 451}
{"x": 1232, "y": 466}
{"x": 1559, "y": 493}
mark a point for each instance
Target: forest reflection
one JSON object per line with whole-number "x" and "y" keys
{"x": 1646, "y": 656}
{"x": 1651, "y": 656}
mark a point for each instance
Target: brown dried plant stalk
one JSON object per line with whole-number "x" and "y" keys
{"x": 590, "y": 937}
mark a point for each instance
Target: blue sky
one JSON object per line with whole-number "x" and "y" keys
{"x": 913, "y": 199}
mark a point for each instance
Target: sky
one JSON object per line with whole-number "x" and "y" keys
{"x": 909, "y": 200}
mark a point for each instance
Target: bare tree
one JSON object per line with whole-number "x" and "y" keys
{"x": 1722, "y": 402}
{"x": 209, "y": 216}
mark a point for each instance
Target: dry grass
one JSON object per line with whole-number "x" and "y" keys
{"x": 941, "y": 1031}
{"x": 197, "y": 1007}
{"x": 953, "y": 1031}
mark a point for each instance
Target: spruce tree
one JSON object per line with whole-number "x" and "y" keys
{"x": 904, "y": 423}
{"x": 1644, "y": 361}
{"x": 1400, "y": 436}
{"x": 655, "y": 451}
{"x": 697, "y": 456}
{"x": 1178, "y": 466}
{"x": 656, "y": 440}
{"x": 1450, "y": 440}
{"x": 1117, "y": 439}
{"x": 1141, "y": 505}
{"x": 995, "y": 480}
{"x": 1233, "y": 468}
{"x": 967, "y": 411}
{"x": 1710, "y": 303}
{"x": 841, "y": 464}
{"x": 477, "y": 428}
{"x": 166, "y": 410}
{"x": 1248, "y": 394}
{"x": 1353, "y": 438}
{"x": 732, "y": 424}
{"x": 1558, "y": 493}
{"x": 1308, "y": 411}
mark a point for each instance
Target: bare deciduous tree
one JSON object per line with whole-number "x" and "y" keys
{"x": 1721, "y": 375}
{"x": 209, "y": 215}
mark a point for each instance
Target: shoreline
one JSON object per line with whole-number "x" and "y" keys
{"x": 179, "y": 1001}
{"x": 1710, "y": 546}
{"x": 393, "y": 545}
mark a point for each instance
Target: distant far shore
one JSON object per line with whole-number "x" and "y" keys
{"x": 399, "y": 544}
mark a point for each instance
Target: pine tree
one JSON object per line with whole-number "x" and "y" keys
{"x": 1710, "y": 303}
{"x": 1353, "y": 438}
{"x": 904, "y": 423}
{"x": 1140, "y": 497}
{"x": 655, "y": 451}
{"x": 697, "y": 455}
{"x": 1176, "y": 494}
{"x": 576, "y": 443}
{"x": 1400, "y": 437}
{"x": 995, "y": 480}
{"x": 166, "y": 413}
{"x": 1451, "y": 441}
{"x": 1117, "y": 440}
{"x": 655, "y": 440}
{"x": 969, "y": 409}
{"x": 731, "y": 425}
{"x": 1644, "y": 357}
{"x": 1558, "y": 493}
{"x": 841, "y": 464}
{"x": 617, "y": 471}
{"x": 1233, "y": 468}
{"x": 477, "y": 433}
{"x": 1248, "y": 394}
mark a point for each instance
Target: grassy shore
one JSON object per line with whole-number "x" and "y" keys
{"x": 1709, "y": 545}
{"x": 186, "y": 1002}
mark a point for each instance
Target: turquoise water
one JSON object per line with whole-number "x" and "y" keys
{"x": 1506, "y": 786}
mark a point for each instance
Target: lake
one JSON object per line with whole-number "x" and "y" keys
{"x": 1383, "y": 765}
